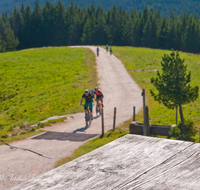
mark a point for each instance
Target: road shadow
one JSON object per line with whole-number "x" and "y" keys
{"x": 83, "y": 128}
{"x": 80, "y": 130}
{"x": 65, "y": 136}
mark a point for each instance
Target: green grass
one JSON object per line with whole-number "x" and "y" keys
{"x": 29, "y": 133}
{"x": 51, "y": 122}
{"x": 38, "y": 83}
{"x": 135, "y": 59}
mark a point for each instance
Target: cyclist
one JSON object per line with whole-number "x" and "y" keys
{"x": 97, "y": 51}
{"x": 99, "y": 94}
{"x": 89, "y": 99}
{"x": 107, "y": 48}
{"x": 111, "y": 50}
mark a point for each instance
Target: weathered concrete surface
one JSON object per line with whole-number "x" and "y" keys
{"x": 119, "y": 90}
{"x": 137, "y": 128}
{"x": 131, "y": 162}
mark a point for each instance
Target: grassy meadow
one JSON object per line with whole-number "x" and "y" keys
{"x": 42, "y": 82}
{"x": 142, "y": 64}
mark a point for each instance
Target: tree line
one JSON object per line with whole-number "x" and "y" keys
{"x": 57, "y": 26}
{"x": 165, "y": 6}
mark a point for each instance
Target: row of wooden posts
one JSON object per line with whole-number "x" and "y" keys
{"x": 114, "y": 119}
{"x": 102, "y": 120}
{"x": 146, "y": 126}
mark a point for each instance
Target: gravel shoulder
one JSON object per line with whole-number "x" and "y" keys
{"x": 119, "y": 90}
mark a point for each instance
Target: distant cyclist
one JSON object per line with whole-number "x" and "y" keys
{"x": 111, "y": 50}
{"x": 97, "y": 51}
{"x": 99, "y": 94}
{"x": 107, "y": 48}
{"x": 89, "y": 99}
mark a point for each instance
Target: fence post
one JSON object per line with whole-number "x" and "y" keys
{"x": 176, "y": 114}
{"x": 147, "y": 121}
{"x": 199, "y": 135}
{"x": 114, "y": 119}
{"x": 102, "y": 122}
{"x": 144, "y": 113}
{"x": 133, "y": 113}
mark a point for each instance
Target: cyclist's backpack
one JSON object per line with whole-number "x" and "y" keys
{"x": 91, "y": 92}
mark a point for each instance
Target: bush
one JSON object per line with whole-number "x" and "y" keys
{"x": 191, "y": 131}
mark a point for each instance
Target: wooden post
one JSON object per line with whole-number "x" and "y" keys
{"x": 102, "y": 122}
{"x": 144, "y": 114}
{"x": 199, "y": 135}
{"x": 147, "y": 121}
{"x": 133, "y": 113}
{"x": 176, "y": 114}
{"x": 114, "y": 119}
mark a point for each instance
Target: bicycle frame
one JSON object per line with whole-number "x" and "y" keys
{"x": 88, "y": 117}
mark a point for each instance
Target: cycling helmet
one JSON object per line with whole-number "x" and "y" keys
{"x": 95, "y": 89}
{"x": 86, "y": 91}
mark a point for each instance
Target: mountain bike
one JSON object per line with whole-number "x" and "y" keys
{"x": 98, "y": 107}
{"x": 97, "y": 53}
{"x": 88, "y": 117}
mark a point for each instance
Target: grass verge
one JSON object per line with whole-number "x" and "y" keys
{"x": 51, "y": 122}
{"x": 39, "y": 83}
{"x": 28, "y": 134}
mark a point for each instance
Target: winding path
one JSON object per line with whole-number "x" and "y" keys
{"x": 119, "y": 90}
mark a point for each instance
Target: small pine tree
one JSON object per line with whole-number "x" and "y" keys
{"x": 173, "y": 84}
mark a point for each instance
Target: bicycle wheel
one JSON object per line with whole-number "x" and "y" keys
{"x": 100, "y": 111}
{"x": 97, "y": 110}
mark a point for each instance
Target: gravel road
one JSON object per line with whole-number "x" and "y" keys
{"x": 119, "y": 90}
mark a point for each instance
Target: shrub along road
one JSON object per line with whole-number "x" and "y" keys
{"x": 120, "y": 91}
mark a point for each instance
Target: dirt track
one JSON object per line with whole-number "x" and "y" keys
{"x": 120, "y": 91}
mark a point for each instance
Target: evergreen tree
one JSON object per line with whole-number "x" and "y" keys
{"x": 100, "y": 27}
{"x": 173, "y": 84}
{"x": 153, "y": 33}
{"x": 113, "y": 26}
{"x": 47, "y": 23}
{"x": 178, "y": 43}
{"x": 36, "y": 26}
{"x": 192, "y": 37}
{"x": 22, "y": 10}
{"x": 172, "y": 32}
{"x": 16, "y": 23}
{"x": 59, "y": 30}
{"x": 73, "y": 26}
{"x": 26, "y": 29}
{"x": 163, "y": 34}
{"x": 89, "y": 31}
{"x": 8, "y": 41}
{"x": 146, "y": 39}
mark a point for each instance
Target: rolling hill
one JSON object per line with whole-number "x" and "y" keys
{"x": 166, "y": 6}
{"x": 38, "y": 83}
